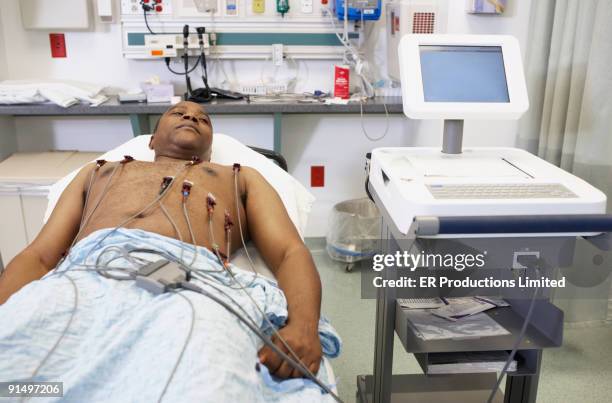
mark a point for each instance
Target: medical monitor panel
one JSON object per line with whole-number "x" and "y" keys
{"x": 457, "y": 77}
{"x": 463, "y": 74}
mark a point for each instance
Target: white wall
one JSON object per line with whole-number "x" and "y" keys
{"x": 8, "y": 143}
{"x": 335, "y": 141}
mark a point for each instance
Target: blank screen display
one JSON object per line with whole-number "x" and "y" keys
{"x": 463, "y": 74}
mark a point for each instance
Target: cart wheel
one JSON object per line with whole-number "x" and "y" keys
{"x": 348, "y": 268}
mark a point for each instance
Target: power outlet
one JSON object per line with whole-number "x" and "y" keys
{"x": 252, "y": 90}
{"x": 263, "y": 90}
{"x": 317, "y": 176}
{"x": 276, "y": 89}
{"x": 306, "y": 6}
{"x": 58, "y": 45}
{"x": 133, "y": 7}
{"x": 277, "y": 54}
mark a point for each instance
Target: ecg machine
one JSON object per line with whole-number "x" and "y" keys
{"x": 504, "y": 201}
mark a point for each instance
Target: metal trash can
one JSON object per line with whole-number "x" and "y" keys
{"x": 353, "y": 231}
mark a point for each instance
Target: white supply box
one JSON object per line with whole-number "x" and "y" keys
{"x": 59, "y": 15}
{"x": 25, "y": 179}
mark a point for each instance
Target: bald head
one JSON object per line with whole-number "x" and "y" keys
{"x": 182, "y": 132}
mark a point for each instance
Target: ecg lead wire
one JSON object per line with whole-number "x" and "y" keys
{"x": 259, "y": 333}
{"x": 182, "y": 353}
{"x": 74, "y": 309}
{"x": 305, "y": 370}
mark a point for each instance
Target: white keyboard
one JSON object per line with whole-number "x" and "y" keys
{"x": 501, "y": 191}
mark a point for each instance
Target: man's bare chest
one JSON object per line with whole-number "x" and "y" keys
{"x": 126, "y": 190}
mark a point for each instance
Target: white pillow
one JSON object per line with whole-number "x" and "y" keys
{"x": 225, "y": 151}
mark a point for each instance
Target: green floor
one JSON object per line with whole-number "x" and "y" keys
{"x": 580, "y": 371}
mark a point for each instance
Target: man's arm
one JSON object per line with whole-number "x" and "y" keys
{"x": 281, "y": 247}
{"x": 54, "y": 238}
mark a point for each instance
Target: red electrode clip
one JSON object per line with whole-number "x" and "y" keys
{"x": 195, "y": 160}
{"x": 165, "y": 183}
{"x": 100, "y": 163}
{"x": 126, "y": 159}
{"x": 211, "y": 202}
{"x": 186, "y": 188}
{"x": 236, "y": 167}
{"x": 228, "y": 221}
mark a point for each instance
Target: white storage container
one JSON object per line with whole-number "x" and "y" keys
{"x": 24, "y": 185}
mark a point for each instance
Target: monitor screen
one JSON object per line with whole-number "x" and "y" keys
{"x": 463, "y": 74}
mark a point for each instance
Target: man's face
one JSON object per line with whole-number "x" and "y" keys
{"x": 183, "y": 131}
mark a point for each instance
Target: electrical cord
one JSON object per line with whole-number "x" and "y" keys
{"x": 305, "y": 370}
{"x": 74, "y": 309}
{"x": 360, "y": 66}
{"x": 193, "y": 239}
{"x": 368, "y": 90}
{"x": 345, "y": 32}
{"x": 178, "y": 73}
{"x": 246, "y": 319}
{"x": 129, "y": 219}
{"x": 145, "y": 8}
{"x": 202, "y": 58}
{"x": 91, "y": 179}
{"x": 85, "y": 218}
{"x": 518, "y": 341}
{"x": 123, "y": 253}
{"x": 237, "y": 201}
{"x": 85, "y": 222}
{"x": 259, "y": 333}
{"x": 249, "y": 321}
{"x": 102, "y": 270}
{"x": 174, "y": 226}
{"x": 363, "y": 129}
{"x": 188, "y": 338}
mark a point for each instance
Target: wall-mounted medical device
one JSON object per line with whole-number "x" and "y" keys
{"x": 282, "y": 7}
{"x": 244, "y": 29}
{"x": 170, "y": 45}
{"x": 358, "y": 9}
{"x": 411, "y": 17}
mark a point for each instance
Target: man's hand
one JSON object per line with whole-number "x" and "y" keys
{"x": 283, "y": 250}
{"x": 304, "y": 340}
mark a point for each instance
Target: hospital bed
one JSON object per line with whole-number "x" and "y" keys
{"x": 227, "y": 150}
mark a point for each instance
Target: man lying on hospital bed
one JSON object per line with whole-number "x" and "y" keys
{"x": 89, "y": 325}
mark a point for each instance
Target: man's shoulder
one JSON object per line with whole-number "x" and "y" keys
{"x": 243, "y": 170}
